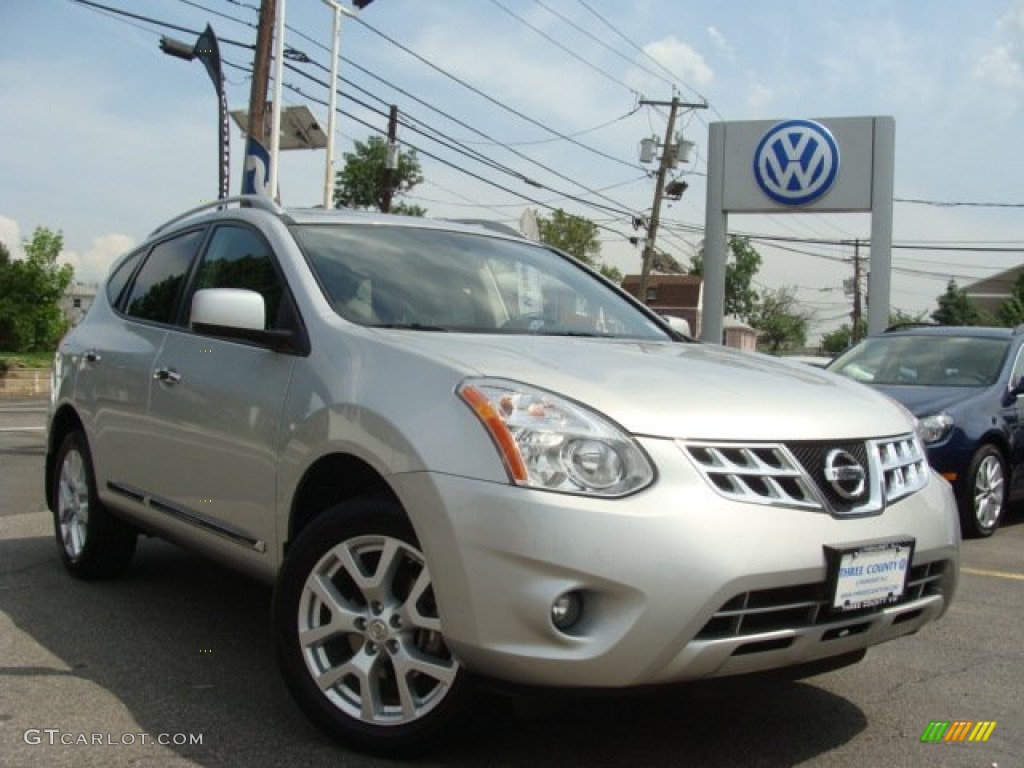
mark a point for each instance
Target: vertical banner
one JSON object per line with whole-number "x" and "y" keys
{"x": 208, "y": 51}
{"x": 255, "y": 172}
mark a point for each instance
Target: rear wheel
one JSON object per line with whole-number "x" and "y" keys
{"x": 358, "y": 634}
{"x": 983, "y": 499}
{"x": 93, "y": 543}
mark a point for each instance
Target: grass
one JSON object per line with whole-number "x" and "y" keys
{"x": 9, "y": 360}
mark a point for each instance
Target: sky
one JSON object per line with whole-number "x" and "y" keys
{"x": 516, "y": 104}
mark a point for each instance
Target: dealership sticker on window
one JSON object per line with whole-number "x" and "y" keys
{"x": 869, "y": 574}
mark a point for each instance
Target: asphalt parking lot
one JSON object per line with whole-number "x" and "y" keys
{"x": 173, "y": 666}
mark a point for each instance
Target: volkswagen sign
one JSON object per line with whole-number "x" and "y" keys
{"x": 796, "y": 162}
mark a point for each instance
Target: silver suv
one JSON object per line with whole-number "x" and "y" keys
{"x": 459, "y": 455}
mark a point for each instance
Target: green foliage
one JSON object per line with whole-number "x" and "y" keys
{"x": 1011, "y": 311}
{"x": 578, "y": 237}
{"x": 30, "y": 292}
{"x": 362, "y": 183}
{"x": 780, "y": 323}
{"x": 842, "y": 339}
{"x": 740, "y": 270}
{"x": 956, "y": 308}
{"x": 575, "y": 235}
{"x": 408, "y": 209}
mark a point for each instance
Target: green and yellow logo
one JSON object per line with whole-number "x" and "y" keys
{"x": 958, "y": 730}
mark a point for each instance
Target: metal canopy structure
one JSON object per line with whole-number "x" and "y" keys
{"x": 299, "y": 128}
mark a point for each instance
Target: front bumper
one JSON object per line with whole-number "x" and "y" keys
{"x": 678, "y": 583}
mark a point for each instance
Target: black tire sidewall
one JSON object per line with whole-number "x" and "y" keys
{"x": 363, "y": 516}
{"x": 109, "y": 543}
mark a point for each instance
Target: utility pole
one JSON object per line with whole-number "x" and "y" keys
{"x": 391, "y": 161}
{"x": 856, "y": 315}
{"x": 668, "y": 160}
{"x": 261, "y": 70}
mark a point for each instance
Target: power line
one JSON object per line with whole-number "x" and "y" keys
{"x": 490, "y": 98}
{"x": 955, "y": 204}
{"x": 559, "y": 45}
{"x": 644, "y": 53}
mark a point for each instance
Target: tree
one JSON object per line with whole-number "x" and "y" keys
{"x": 740, "y": 270}
{"x": 1011, "y": 311}
{"x": 841, "y": 339}
{"x": 576, "y": 236}
{"x": 30, "y": 292}
{"x": 362, "y": 183}
{"x": 780, "y": 323}
{"x": 956, "y": 307}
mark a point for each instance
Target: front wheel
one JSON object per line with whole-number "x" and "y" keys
{"x": 983, "y": 499}
{"x": 358, "y": 634}
{"x": 93, "y": 544}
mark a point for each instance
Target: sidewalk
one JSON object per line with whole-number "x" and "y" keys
{"x": 25, "y": 382}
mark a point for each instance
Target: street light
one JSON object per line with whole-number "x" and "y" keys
{"x": 207, "y": 51}
{"x": 333, "y": 96}
{"x": 333, "y": 100}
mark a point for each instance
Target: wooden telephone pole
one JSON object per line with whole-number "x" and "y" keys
{"x": 668, "y": 160}
{"x": 261, "y": 70}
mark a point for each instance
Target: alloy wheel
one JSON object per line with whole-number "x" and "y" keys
{"x": 989, "y": 491}
{"x": 73, "y": 504}
{"x": 370, "y": 634}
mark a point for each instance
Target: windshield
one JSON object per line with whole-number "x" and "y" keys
{"x": 926, "y": 361}
{"x": 427, "y": 279}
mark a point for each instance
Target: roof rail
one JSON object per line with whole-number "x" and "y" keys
{"x": 249, "y": 201}
{"x": 901, "y": 326}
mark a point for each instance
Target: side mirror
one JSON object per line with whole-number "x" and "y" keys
{"x": 1015, "y": 390}
{"x": 228, "y": 308}
{"x": 236, "y": 313}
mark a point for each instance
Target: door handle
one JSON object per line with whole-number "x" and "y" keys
{"x": 167, "y": 375}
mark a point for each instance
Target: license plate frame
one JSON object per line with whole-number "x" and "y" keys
{"x": 868, "y": 574}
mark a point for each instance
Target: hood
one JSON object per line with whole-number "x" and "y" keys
{"x": 675, "y": 390}
{"x": 925, "y": 401}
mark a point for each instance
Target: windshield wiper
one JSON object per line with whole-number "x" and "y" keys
{"x": 413, "y": 327}
{"x": 582, "y": 334}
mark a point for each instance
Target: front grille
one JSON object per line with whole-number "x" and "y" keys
{"x": 812, "y": 456}
{"x": 903, "y": 465}
{"x": 804, "y": 605}
{"x": 794, "y": 474}
{"x": 762, "y": 474}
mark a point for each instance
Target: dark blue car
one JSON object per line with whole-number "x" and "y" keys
{"x": 964, "y": 384}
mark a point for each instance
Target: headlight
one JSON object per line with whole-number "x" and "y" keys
{"x": 549, "y": 442}
{"x": 935, "y": 427}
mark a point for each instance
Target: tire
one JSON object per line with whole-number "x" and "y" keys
{"x": 358, "y": 636}
{"x": 93, "y": 544}
{"x": 983, "y": 498}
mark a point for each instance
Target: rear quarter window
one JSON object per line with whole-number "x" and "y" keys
{"x": 158, "y": 284}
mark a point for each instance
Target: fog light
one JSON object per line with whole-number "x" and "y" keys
{"x": 566, "y": 610}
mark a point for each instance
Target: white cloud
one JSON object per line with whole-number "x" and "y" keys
{"x": 10, "y": 235}
{"x": 93, "y": 264}
{"x": 759, "y": 98}
{"x": 682, "y": 60}
{"x": 721, "y": 43}
{"x": 1002, "y": 65}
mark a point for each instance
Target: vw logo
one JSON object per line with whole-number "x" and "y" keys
{"x": 845, "y": 474}
{"x": 796, "y": 162}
